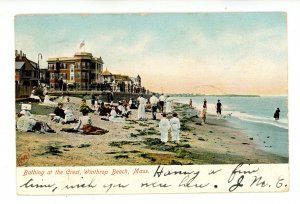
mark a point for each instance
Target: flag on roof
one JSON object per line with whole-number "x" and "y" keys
{"x": 81, "y": 44}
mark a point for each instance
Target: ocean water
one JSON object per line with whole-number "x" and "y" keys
{"x": 254, "y": 116}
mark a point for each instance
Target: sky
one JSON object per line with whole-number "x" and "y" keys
{"x": 201, "y": 53}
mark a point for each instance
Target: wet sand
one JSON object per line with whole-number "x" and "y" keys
{"x": 137, "y": 142}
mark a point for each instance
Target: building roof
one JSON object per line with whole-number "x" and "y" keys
{"x": 77, "y": 56}
{"x": 33, "y": 63}
{"x": 106, "y": 73}
{"x": 119, "y": 77}
{"x": 83, "y": 54}
{"x": 19, "y": 65}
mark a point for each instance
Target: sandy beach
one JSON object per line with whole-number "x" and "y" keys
{"x": 137, "y": 142}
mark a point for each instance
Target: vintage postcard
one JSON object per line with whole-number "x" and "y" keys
{"x": 151, "y": 103}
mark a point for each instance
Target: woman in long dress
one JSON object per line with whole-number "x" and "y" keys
{"x": 164, "y": 126}
{"x": 175, "y": 128}
{"x": 141, "y": 108}
{"x": 169, "y": 104}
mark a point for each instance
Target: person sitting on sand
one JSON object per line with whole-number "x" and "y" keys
{"x": 203, "y": 114}
{"x": 120, "y": 108}
{"x": 103, "y": 110}
{"x": 96, "y": 106}
{"x": 175, "y": 128}
{"x": 26, "y": 123}
{"x": 63, "y": 116}
{"x": 48, "y": 102}
{"x": 85, "y": 126}
{"x": 114, "y": 117}
{"x": 33, "y": 94}
{"x": 59, "y": 111}
{"x": 83, "y": 120}
{"x": 84, "y": 106}
{"x": 126, "y": 111}
{"x": 164, "y": 126}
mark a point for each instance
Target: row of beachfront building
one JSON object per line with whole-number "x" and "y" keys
{"x": 83, "y": 71}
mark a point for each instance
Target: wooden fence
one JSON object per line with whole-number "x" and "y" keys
{"x": 23, "y": 91}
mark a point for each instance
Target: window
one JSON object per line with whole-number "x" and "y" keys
{"x": 77, "y": 75}
{"x": 28, "y": 73}
{"x": 72, "y": 78}
{"x": 78, "y": 65}
{"x": 51, "y": 66}
{"x": 83, "y": 64}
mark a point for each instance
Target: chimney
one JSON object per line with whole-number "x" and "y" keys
{"x": 16, "y": 53}
{"x": 20, "y": 56}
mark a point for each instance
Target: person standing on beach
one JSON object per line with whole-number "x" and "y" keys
{"x": 162, "y": 99}
{"x": 153, "y": 101}
{"x": 205, "y": 103}
{"x": 191, "y": 103}
{"x": 175, "y": 128}
{"x": 130, "y": 103}
{"x": 141, "y": 108}
{"x": 219, "y": 109}
{"x": 164, "y": 126}
{"x": 203, "y": 113}
{"x": 169, "y": 101}
{"x": 276, "y": 114}
{"x": 93, "y": 101}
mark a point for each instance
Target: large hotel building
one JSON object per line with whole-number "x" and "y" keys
{"x": 81, "y": 71}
